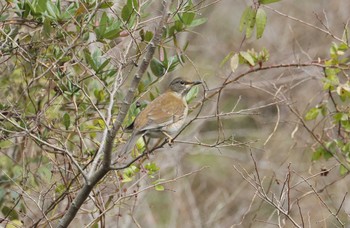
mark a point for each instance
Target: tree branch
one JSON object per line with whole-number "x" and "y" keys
{"x": 107, "y": 151}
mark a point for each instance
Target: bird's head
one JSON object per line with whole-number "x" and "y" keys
{"x": 182, "y": 86}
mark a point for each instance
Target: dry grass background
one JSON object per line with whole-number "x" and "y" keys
{"x": 218, "y": 186}
{"x": 218, "y": 196}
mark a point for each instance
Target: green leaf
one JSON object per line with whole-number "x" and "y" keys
{"x": 47, "y": 27}
{"x": 10, "y": 212}
{"x": 243, "y": 21}
{"x": 151, "y": 168}
{"x": 103, "y": 65}
{"x": 188, "y": 17}
{"x": 317, "y": 155}
{"x": 99, "y": 94}
{"x": 331, "y": 79}
{"x": 179, "y": 26}
{"x": 129, "y": 173}
{"x": 126, "y": 13}
{"x": 171, "y": 63}
{"x": 148, "y": 36}
{"x": 89, "y": 60}
{"x": 52, "y": 10}
{"x": 103, "y": 24}
{"x": 327, "y": 155}
{"x": 128, "y": 9}
{"x": 159, "y": 187}
{"x": 112, "y": 34}
{"x": 321, "y": 153}
{"x": 197, "y": 22}
{"x": 66, "y": 120}
{"x": 157, "y": 67}
{"x": 251, "y": 19}
{"x": 39, "y": 6}
{"x": 192, "y": 94}
{"x": 260, "y": 22}
{"x": 247, "y": 21}
{"x": 312, "y": 114}
{"x": 340, "y": 117}
{"x": 227, "y": 57}
{"x": 105, "y": 5}
{"x": 246, "y": 56}
{"x": 265, "y": 2}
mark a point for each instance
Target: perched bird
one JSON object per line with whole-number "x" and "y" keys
{"x": 164, "y": 116}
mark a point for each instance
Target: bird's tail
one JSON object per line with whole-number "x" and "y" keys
{"x": 130, "y": 143}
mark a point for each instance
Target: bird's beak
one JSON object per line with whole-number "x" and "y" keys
{"x": 195, "y": 83}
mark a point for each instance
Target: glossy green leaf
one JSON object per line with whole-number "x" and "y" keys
{"x": 157, "y": 67}
{"x": 260, "y": 22}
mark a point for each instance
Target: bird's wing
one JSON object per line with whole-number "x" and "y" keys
{"x": 164, "y": 110}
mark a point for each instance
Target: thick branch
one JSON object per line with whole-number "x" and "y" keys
{"x": 105, "y": 168}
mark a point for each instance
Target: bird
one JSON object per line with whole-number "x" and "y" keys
{"x": 164, "y": 116}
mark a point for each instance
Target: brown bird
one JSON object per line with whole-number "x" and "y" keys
{"x": 164, "y": 116}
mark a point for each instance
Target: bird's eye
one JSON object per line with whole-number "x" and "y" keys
{"x": 182, "y": 82}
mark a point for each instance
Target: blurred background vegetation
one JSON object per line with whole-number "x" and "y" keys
{"x": 271, "y": 149}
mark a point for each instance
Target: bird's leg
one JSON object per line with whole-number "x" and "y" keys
{"x": 146, "y": 142}
{"x": 170, "y": 139}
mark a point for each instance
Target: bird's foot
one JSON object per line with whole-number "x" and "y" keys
{"x": 170, "y": 141}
